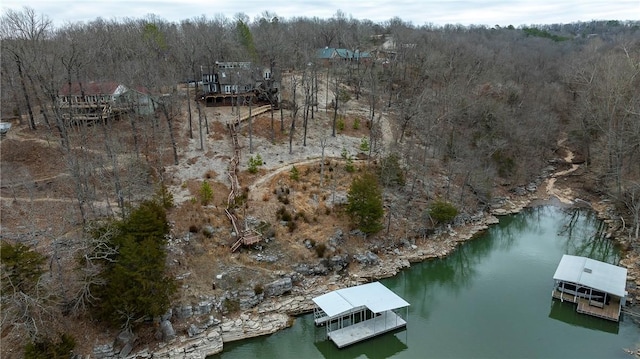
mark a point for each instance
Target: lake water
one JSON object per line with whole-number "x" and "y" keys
{"x": 491, "y": 298}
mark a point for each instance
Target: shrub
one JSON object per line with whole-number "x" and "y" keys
{"x": 340, "y": 124}
{"x": 295, "y": 174}
{"x": 258, "y": 289}
{"x": 344, "y": 154}
{"x": 356, "y": 123}
{"x": 347, "y": 157}
{"x": 364, "y": 145}
{"x": 283, "y": 215}
{"x": 47, "y": 349}
{"x": 349, "y": 167}
{"x": 301, "y": 215}
{"x": 365, "y": 203}
{"x": 231, "y": 305}
{"x": 206, "y": 193}
{"x": 283, "y": 199}
{"x": 320, "y": 250}
{"x": 254, "y": 163}
{"x": 442, "y": 212}
{"x": 164, "y": 197}
{"x": 343, "y": 96}
{"x": 390, "y": 172}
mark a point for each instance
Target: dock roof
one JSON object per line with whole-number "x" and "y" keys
{"x": 591, "y": 273}
{"x": 375, "y": 296}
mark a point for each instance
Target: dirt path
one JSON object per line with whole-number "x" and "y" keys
{"x": 566, "y": 194}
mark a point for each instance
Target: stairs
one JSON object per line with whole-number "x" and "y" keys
{"x": 245, "y": 237}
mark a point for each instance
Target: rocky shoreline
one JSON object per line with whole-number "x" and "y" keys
{"x": 276, "y": 312}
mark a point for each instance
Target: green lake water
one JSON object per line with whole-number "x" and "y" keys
{"x": 491, "y": 298}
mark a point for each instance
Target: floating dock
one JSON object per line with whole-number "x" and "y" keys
{"x": 596, "y": 287}
{"x": 386, "y": 322}
{"x": 609, "y": 311}
{"x": 354, "y": 314}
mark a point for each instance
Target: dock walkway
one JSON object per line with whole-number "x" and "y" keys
{"x": 352, "y": 334}
{"x": 609, "y": 311}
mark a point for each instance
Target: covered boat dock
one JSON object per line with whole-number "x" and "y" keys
{"x": 598, "y": 288}
{"x": 354, "y": 314}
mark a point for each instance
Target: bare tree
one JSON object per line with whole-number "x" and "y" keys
{"x": 22, "y": 33}
{"x": 294, "y": 112}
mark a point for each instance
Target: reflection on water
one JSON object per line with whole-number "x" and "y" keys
{"x": 566, "y": 313}
{"x": 386, "y": 346}
{"x": 491, "y": 298}
{"x": 586, "y": 236}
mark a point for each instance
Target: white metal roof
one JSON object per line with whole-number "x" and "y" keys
{"x": 598, "y": 275}
{"x": 374, "y": 296}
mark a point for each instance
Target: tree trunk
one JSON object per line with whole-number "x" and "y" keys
{"x": 273, "y": 130}
{"x": 323, "y": 144}
{"x": 281, "y": 119}
{"x": 250, "y": 126}
{"x": 199, "y": 124}
{"x": 307, "y": 99}
{"x": 335, "y": 116}
{"x": 294, "y": 114}
{"x": 134, "y": 132}
{"x": 189, "y": 111}
{"x": 174, "y": 144}
{"x": 114, "y": 167}
{"x": 32, "y": 120}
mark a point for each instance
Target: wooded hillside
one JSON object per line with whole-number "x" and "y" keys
{"x": 485, "y": 110}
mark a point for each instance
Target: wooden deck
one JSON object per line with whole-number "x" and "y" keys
{"x": 370, "y": 328}
{"x": 609, "y": 311}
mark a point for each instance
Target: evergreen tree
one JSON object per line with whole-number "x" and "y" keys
{"x": 21, "y": 268}
{"x": 246, "y": 39}
{"x": 47, "y": 349}
{"x": 136, "y": 286}
{"x": 365, "y": 203}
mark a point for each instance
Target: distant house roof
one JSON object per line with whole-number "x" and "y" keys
{"x": 375, "y": 296}
{"x": 97, "y": 88}
{"x": 332, "y": 53}
{"x": 90, "y": 88}
{"x": 591, "y": 273}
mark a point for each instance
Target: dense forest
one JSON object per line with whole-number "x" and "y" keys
{"x": 490, "y": 105}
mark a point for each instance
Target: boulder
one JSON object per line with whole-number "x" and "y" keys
{"x": 338, "y": 263}
{"x": 368, "y": 258}
{"x": 249, "y": 299}
{"x": 278, "y": 287}
{"x": 168, "y": 333}
{"x": 336, "y": 238}
{"x": 194, "y": 330}
{"x": 103, "y": 351}
{"x": 184, "y": 312}
{"x": 203, "y": 307}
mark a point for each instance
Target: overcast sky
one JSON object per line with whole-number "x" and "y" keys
{"x": 418, "y": 12}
